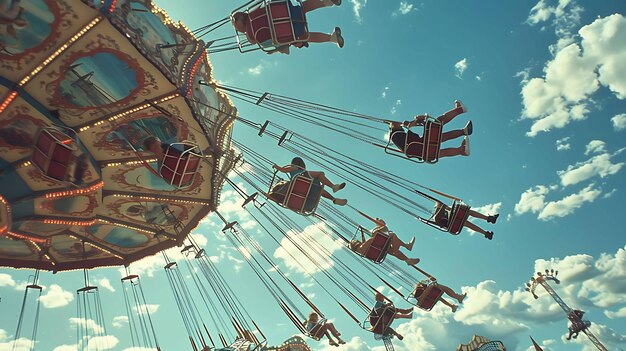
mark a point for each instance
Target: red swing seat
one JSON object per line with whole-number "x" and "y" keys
{"x": 377, "y": 251}
{"x": 53, "y": 153}
{"x": 426, "y": 298}
{"x": 302, "y": 195}
{"x": 316, "y": 333}
{"x": 459, "y": 212}
{"x": 381, "y": 319}
{"x": 273, "y": 20}
{"x": 425, "y": 150}
{"x": 180, "y": 167}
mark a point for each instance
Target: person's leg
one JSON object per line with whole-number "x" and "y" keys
{"x": 453, "y": 307}
{"x": 395, "y": 252}
{"x": 476, "y": 228}
{"x": 399, "y": 336}
{"x": 310, "y": 5}
{"x": 449, "y": 116}
{"x": 333, "y": 330}
{"x": 404, "y": 310}
{"x": 321, "y": 176}
{"x": 317, "y": 37}
{"x": 463, "y": 149}
{"x": 336, "y": 201}
{"x": 478, "y": 215}
{"x": 403, "y": 315}
{"x": 396, "y": 242}
{"x": 453, "y": 134}
{"x": 451, "y": 293}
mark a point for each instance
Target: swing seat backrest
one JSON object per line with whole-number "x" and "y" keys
{"x": 52, "y": 154}
{"x": 427, "y": 148}
{"x": 274, "y": 21}
{"x": 303, "y": 194}
{"x": 427, "y": 298}
{"x": 458, "y": 216}
{"x": 377, "y": 251}
{"x": 317, "y": 333}
{"x": 380, "y": 319}
{"x": 180, "y": 167}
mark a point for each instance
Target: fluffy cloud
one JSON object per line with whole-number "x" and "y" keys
{"x": 621, "y": 313}
{"x": 532, "y": 200}
{"x": 8, "y": 344}
{"x": 87, "y": 324}
{"x": 460, "y": 67}
{"x": 56, "y": 297}
{"x": 586, "y": 282}
{"x": 119, "y": 321}
{"x": 619, "y": 122}
{"x": 354, "y": 344}
{"x": 147, "y": 308}
{"x": 256, "y": 70}
{"x": 105, "y": 283}
{"x": 595, "y": 146}
{"x": 599, "y": 165}
{"x": 357, "y": 7}
{"x": 569, "y": 204}
{"x": 575, "y": 73}
{"x": 310, "y": 240}
{"x": 404, "y": 9}
{"x": 563, "y": 144}
{"x": 6, "y": 280}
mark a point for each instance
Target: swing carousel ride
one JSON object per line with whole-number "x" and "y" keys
{"x": 115, "y": 142}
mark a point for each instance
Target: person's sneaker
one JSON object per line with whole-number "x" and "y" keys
{"x": 340, "y": 202}
{"x": 458, "y": 103}
{"x": 410, "y": 245}
{"x": 338, "y": 187}
{"x": 489, "y": 235}
{"x": 400, "y": 337}
{"x": 412, "y": 261}
{"x": 460, "y": 299}
{"x": 454, "y": 307}
{"x": 339, "y": 39}
{"x": 468, "y": 129}
{"x": 332, "y": 342}
{"x": 466, "y": 146}
{"x": 336, "y": 2}
{"x": 493, "y": 219}
{"x": 340, "y": 341}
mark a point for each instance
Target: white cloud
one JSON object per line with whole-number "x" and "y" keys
{"x": 354, "y": 344}
{"x": 6, "y": 280}
{"x": 532, "y": 200}
{"x": 563, "y": 144}
{"x": 575, "y": 73}
{"x": 621, "y": 313}
{"x": 569, "y": 204}
{"x": 404, "y": 9}
{"x": 66, "y": 348}
{"x": 105, "y": 283}
{"x": 394, "y": 108}
{"x": 102, "y": 343}
{"x": 508, "y": 315}
{"x": 149, "y": 308}
{"x": 595, "y": 147}
{"x": 384, "y": 93}
{"x": 311, "y": 234}
{"x": 357, "y": 7}
{"x": 619, "y": 122}
{"x": 87, "y": 324}
{"x": 545, "y": 345}
{"x": 56, "y": 297}
{"x": 119, "y": 321}
{"x": 460, "y": 67}
{"x": 598, "y": 165}
{"x": 8, "y": 344}
{"x": 256, "y": 70}
{"x": 140, "y": 349}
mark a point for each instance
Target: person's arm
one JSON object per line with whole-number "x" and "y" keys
{"x": 362, "y": 236}
{"x": 285, "y": 169}
{"x": 417, "y": 121}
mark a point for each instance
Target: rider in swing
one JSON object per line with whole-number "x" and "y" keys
{"x": 362, "y": 246}
{"x": 442, "y": 212}
{"x": 241, "y": 22}
{"x": 401, "y": 137}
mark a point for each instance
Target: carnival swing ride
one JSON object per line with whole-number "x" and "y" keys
{"x": 115, "y": 142}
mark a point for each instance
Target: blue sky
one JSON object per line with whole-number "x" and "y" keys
{"x": 545, "y": 84}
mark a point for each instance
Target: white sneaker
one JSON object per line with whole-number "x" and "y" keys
{"x": 466, "y": 146}
{"x": 458, "y": 104}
